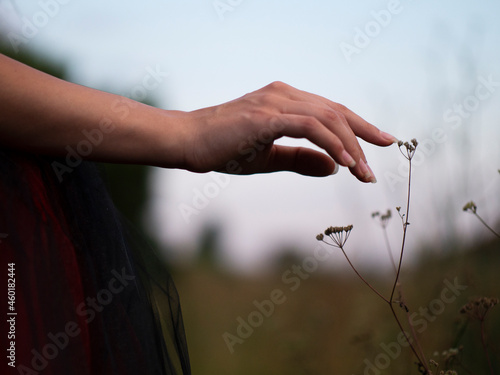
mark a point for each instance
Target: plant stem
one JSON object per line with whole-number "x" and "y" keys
{"x": 389, "y": 250}
{"x": 421, "y": 358}
{"x": 408, "y": 338}
{"x": 361, "y": 277}
{"x": 486, "y": 225}
{"x": 485, "y": 347}
{"x": 405, "y": 226}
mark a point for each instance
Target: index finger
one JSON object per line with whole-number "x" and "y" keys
{"x": 360, "y": 126}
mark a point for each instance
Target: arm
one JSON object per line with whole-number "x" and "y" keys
{"x": 42, "y": 114}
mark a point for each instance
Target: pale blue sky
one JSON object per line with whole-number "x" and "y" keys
{"x": 423, "y": 61}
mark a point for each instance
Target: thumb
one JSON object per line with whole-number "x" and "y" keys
{"x": 301, "y": 160}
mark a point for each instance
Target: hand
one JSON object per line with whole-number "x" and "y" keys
{"x": 238, "y": 137}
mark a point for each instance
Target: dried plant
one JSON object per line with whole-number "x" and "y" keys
{"x": 472, "y": 208}
{"x": 339, "y": 236}
{"x": 477, "y": 310}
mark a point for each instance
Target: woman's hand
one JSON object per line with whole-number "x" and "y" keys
{"x": 238, "y": 137}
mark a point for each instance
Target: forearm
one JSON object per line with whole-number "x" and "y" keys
{"x": 42, "y": 114}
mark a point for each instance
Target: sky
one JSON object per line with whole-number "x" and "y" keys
{"x": 417, "y": 69}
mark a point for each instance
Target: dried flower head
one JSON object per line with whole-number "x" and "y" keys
{"x": 478, "y": 307}
{"x": 470, "y": 206}
{"x": 384, "y": 218}
{"x": 338, "y": 235}
{"x": 387, "y": 216}
{"x": 410, "y": 148}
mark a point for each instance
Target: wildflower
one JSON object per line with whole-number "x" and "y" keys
{"x": 478, "y": 308}
{"x": 338, "y": 235}
{"x": 470, "y": 206}
{"x": 387, "y": 215}
{"x": 384, "y": 218}
{"x": 410, "y": 148}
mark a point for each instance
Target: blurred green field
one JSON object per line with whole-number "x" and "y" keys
{"x": 333, "y": 324}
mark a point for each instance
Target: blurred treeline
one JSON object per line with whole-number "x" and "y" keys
{"x": 331, "y": 323}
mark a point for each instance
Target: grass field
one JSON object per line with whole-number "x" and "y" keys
{"x": 333, "y": 324}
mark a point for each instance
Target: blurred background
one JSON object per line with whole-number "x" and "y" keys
{"x": 416, "y": 69}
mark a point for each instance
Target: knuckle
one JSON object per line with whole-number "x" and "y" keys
{"x": 277, "y": 86}
{"x": 309, "y": 125}
{"x": 267, "y": 99}
{"x": 341, "y": 108}
{"x": 335, "y": 116}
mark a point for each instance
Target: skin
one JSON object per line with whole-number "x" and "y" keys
{"x": 42, "y": 114}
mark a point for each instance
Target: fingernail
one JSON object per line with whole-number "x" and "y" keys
{"x": 365, "y": 169}
{"x": 336, "y": 170}
{"x": 389, "y": 137}
{"x": 348, "y": 160}
{"x": 373, "y": 179}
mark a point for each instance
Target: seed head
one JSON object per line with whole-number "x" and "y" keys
{"x": 478, "y": 307}
{"x": 470, "y": 206}
{"x": 338, "y": 235}
{"x": 410, "y": 148}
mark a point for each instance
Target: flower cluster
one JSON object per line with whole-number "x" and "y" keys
{"x": 338, "y": 235}
{"x": 470, "y": 206}
{"x": 384, "y": 218}
{"x": 478, "y": 308}
{"x": 410, "y": 148}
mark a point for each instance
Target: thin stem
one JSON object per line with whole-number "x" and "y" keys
{"x": 486, "y": 225}
{"x": 421, "y": 358}
{"x": 485, "y": 347}
{"x": 407, "y": 338}
{"x": 414, "y": 334}
{"x": 405, "y": 225}
{"x": 361, "y": 277}
{"x": 389, "y": 250}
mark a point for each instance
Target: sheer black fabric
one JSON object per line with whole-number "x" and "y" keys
{"x": 89, "y": 299}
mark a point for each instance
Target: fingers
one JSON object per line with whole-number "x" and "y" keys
{"x": 360, "y": 127}
{"x": 330, "y": 132}
{"x": 300, "y": 160}
{"x": 331, "y": 126}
